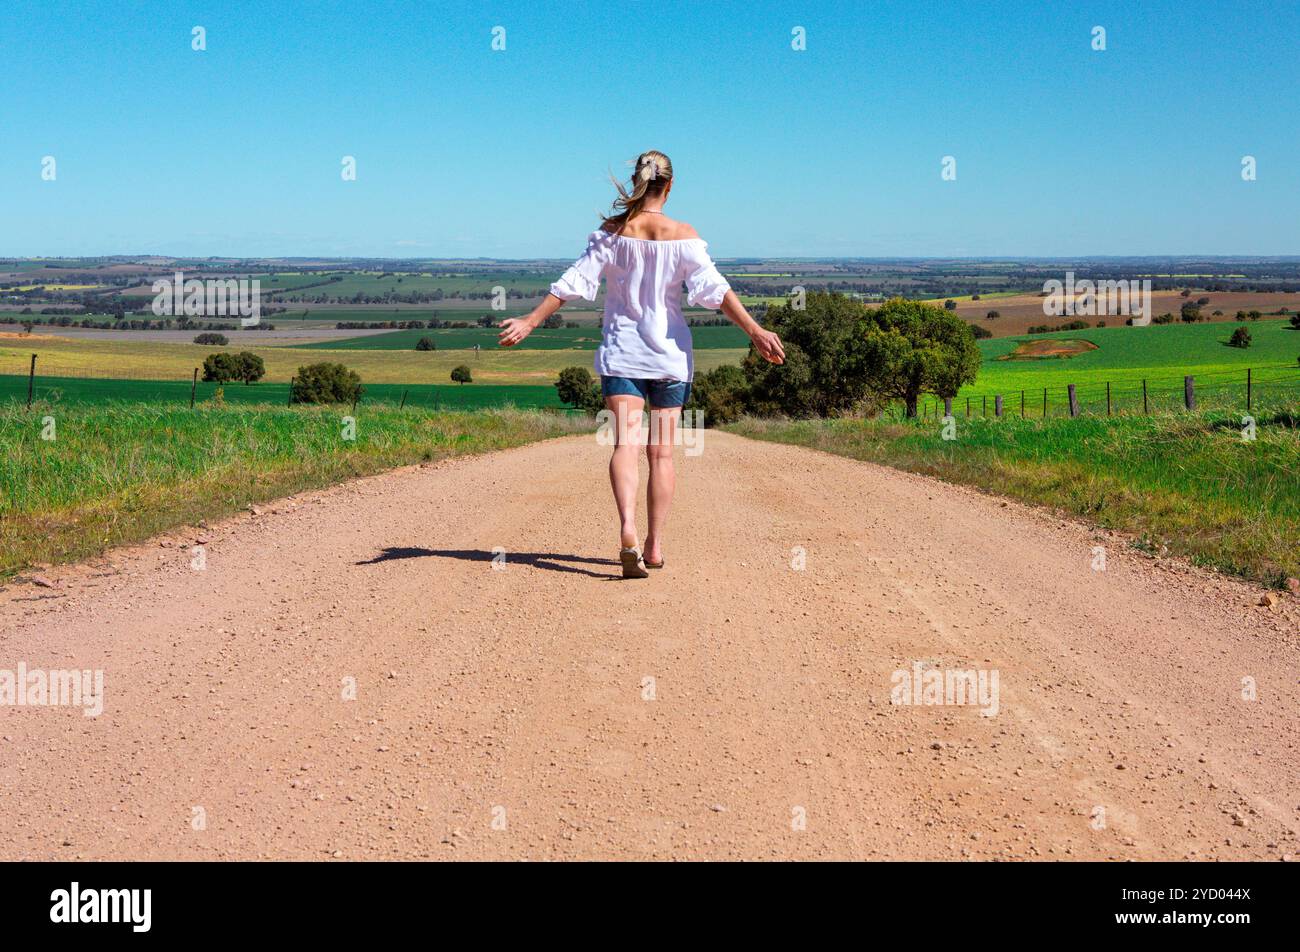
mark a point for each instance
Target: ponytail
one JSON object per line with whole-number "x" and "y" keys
{"x": 651, "y": 176}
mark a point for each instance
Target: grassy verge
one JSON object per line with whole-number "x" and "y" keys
{"x": 120, "y": 473}
{"x": 1184, "y": 481}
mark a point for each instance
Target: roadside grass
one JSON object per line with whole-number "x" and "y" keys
{"x": 120, "y": 473}
{"x": 1185, "y": 481}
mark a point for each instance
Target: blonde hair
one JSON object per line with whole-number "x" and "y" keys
{"x": 650, "y": 178}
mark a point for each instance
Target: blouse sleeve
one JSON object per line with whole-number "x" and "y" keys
{"x": 582, "y": 280}
{"x": 705, "y": 285}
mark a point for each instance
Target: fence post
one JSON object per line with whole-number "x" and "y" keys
{"x": 194, "y": 385}
{"x": 291, "y": 380}
{"x": 403, "y": 404}
{"x": 947, "y": 406}
{"x": 1107, "y": 398}
{"x": 1044, "y": 403}
{"x": 1189, "y": 392}
{"x": 997, "y": 405}
{"x": 1074, "y": 400}
{"x": 984, "y": 410}
{"x": 968, "y": 408}
{"x": 1145, "y": 409}
{"x": 31, "y": 382}
{"x": 1247, "y": 389}
{"x": 1022, "y": 404}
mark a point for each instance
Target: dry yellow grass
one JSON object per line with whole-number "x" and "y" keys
{"x": 151, "y": 360}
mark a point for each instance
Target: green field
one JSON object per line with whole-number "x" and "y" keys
{"x": 1160, "y": 354}
{"x": 121, "y": 473}
{"x": 84, "y": 390}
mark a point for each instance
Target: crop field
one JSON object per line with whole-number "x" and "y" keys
{"x": 562, "y": 338}
{"x": 1019, "y": 312}
{"x": 130, "y": 359}
{"x": 1159, "y": 354}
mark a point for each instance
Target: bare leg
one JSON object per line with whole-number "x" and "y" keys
{"x": 623, "y": 477}
{"x": 663, "y": 478}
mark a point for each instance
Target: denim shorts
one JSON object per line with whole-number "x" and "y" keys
{"x": 664, "y": 394}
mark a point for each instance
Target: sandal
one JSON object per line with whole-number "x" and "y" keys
{"x": 633, "y": 566}
{"x": 654, "y": 565}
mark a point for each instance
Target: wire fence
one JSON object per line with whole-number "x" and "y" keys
{"x": 1275, "y": 386}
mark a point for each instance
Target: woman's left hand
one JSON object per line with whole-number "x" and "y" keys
{"x": 513, "y": 330}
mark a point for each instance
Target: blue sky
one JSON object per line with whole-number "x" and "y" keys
{"x": 835, "y": 150}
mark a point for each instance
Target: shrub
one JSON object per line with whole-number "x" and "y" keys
{"x": 980, "y": 332}
{"x": 1240, "y": 338}
{"x": 721, "y": 395}
{"x": 824, "y": 372}
{"x": 462, "y": 374}
{"x": 577, "y": 388}
{"x": 426, "y": 343}
{"x": 1295, "y": 321}
{"x": 1191, "y": 312}
{"x": 993, "y": 315}
{"x": 326, "y": 383}
{"x": 212, "y": 340}
{"x": 554, "y": 322}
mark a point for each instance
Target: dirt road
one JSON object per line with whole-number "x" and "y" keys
{"x": 733, "y": 705}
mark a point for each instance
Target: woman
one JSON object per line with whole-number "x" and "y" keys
{"x": 645, "y": 354}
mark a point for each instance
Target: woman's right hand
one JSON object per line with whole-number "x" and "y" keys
{"x": 513, "y": 330}
{"x": 768, "y": 345}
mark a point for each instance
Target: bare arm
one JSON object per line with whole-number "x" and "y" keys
{"x": 766, "y": 342}
{"x": 515, "y": 329}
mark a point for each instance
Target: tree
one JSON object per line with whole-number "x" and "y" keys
{"x": 577, "y": 388}
{"x": 950, "y": 305}
{"x": 913, "y": 348}
{"x": 462, "y": 375}
{"x": 326, "y": 383}
{"x": 212, "y": 340}
{"x": 980, "y": 332}
{"x": 993, "y": 315}
{"x": 426, "y": 343}
{"x": 554, "y": 322}
{"x": 1254, "y": 315}
{"x": 250, "y": 367}
{"x": 1240, "y": 338}
{"x": 1191, "y": 312}
{"x": 1295, "y": 320}
{"x": 221, "y": 368}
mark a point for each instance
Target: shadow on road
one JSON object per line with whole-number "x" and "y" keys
{"x": 542, "y": 560}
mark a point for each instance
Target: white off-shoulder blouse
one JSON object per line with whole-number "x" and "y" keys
{"x": 644, "y": 335}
